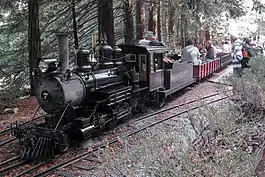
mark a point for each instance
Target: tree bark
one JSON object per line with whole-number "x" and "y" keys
{"x": 106, "y": 21}
{"x": 159, "y": 22}
{"x": 172, "y": 11}
{"x": 128, "y": 22}
{"x": 143, "y": 17}
{"x": 151, "y": 18}
{"x": 182, "y": 32}
{"x": 74, "y": 24}
{"x": 207, "y": 35}
{"x": 164, "y": 21}
{"x": 139, "y": 24}
{"x": 34, "y": 42}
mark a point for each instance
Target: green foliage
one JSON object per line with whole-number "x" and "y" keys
{"x": 252, "y": 84}
{"x": 55, "y": 16}
{"x": 258, "y": 6}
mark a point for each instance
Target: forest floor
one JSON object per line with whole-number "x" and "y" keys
{"x": 136, "y": 155}
{"x": 126, "y": 158}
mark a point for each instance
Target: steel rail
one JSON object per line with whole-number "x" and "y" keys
{"x": 50, "y": 170}
{"x": 141, "y": 118}
{"x": 34, "y": 119}
{"x": 4, "y": 170}
{"x": 179, "y": 105}
{"x": 13, "y": 139}
{"x": 9, "y": 160}
{"x": 219, "y": 83}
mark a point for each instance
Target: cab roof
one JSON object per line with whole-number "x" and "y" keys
{"x": 146, "y": 47}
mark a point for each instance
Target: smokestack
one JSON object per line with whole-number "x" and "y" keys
{"x": 63, "y": 51}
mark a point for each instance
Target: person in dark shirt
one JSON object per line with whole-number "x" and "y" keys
{"x": 211, "y": 51}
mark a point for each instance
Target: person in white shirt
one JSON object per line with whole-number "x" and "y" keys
{"x": 190, "y": 53}
{"x": 227, "y": 47}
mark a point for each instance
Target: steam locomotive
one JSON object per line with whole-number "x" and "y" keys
{"x": 101, "y": 90}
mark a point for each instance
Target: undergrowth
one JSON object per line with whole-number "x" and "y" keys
{"x": 218, "y": 140}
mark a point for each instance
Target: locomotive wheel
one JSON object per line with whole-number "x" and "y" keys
{"x": 64, "y": 146}
{"x": 160, "y": 100}
{"x": 142, "y": 106}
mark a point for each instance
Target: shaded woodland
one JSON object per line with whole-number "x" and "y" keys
{"x": 28, "y": 28}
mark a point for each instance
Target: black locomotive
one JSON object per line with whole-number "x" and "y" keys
{"x": 96, "y": 94}
{"x": 102, "y": 89}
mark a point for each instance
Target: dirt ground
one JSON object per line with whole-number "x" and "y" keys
{"x": 119, "y": 152}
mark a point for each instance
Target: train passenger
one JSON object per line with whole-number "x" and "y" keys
{"x": 227, "y": 48}
{"x": 190, "y": 53}
{"x": 202, "y": 50}
{"x": 237, "y": 55}
{"x": 211, "y": 50}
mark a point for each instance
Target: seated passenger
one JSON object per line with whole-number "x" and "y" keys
{"x": 211, "y": 51}
{"x": 191, "y": 54}
{"x": 227, "y": 48}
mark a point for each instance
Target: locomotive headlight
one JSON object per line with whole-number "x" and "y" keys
{"x": 44, "y": 66}
{"x": 48, "y": 65}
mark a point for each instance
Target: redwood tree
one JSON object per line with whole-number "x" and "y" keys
{"x": 106, "y": 21}
{"x": 34, "y": 42}
{"x": 128, "y": 22}
{"x": 151, "y": 22}
{"x": 139, "y": 26}
{"x": 158, "y": 22}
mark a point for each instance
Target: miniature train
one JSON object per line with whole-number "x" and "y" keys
{"x": 102, "y": 89}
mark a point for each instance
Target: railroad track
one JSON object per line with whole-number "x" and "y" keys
{"x": 220, "y": 83}
{"x": 5, "y": 142}
{"x": 6, "y": 131}
{"x": 66, "y": 163}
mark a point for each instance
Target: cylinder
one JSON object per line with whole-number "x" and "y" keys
{"x": 63, "y": 51}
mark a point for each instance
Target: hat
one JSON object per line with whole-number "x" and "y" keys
{"x": 233, "y": 36}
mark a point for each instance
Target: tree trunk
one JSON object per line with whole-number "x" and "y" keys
{"x": 207, "y": 35}
{"x": 185, "y": 28}
{"x": 182, "y": 32}
{"x": 142, "y": 9}
{"x": 164, "y": 21}
{"x": 34, "y": 42}
{"x": 106, "y": 21}
{"x": 74, "y": 24}
{"x": 139, "y": 27}
{"x": 172, "y": 11}
{"x": 159, "y": 22}
{"x": 128, "y": 22}
{"x": 151, "y": 18}
{"x": 171, "y": 21}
